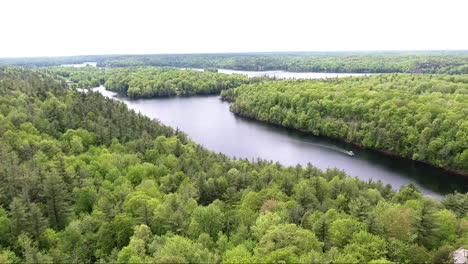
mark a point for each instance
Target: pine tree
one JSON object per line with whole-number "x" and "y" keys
{"x": 320, "y": 229}
{"x": 426, "y": 227}
{"x": 18, "y": 216}
{"x": 36, "y": 220}
{"x": 56, "y": 197}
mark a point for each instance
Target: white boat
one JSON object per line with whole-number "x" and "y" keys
{"x": 350, "y": 153}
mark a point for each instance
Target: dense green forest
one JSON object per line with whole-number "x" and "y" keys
{"x": 84, "y": 180}
{"x": 445, "y": 62}
{"x": 78, "y": 77}
{"x": 421, "y": 117}
{"x": 145, "y": 82}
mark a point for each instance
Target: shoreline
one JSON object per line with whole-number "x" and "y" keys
{"x": 356, "y": 144}
{"x": 382, "y": 151}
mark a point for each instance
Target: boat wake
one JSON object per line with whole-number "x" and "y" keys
{"x": 334, "y": 148}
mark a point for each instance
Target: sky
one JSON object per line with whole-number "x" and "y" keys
{"x": 88, "y": 27}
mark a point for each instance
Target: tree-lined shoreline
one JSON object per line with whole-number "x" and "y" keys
{"x": 382, "y": 103}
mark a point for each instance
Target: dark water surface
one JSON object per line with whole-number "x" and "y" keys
{"x": 208, "y": 121}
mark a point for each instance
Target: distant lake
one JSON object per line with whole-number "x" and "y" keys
{"x": 288, "y": 75}
{"x": 291, "y": 75}
{"x": 277, "y": 74}
{"x": 78, "y": 65}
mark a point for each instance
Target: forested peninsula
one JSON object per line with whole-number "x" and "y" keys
{"x": 85, "y": 180}
{"x": 420, "y": 117}
{"x": 149, "y": 82}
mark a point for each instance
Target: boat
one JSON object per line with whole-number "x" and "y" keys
{"x": 350, "y": 153}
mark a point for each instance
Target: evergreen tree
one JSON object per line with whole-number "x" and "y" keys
{"x": 55, "y": 192}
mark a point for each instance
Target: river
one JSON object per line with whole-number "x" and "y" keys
{"x": 208, "y": 121}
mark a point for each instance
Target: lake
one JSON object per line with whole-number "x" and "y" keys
{"x": 291, "y": 75}
{"x": 287, "y": 75}
{"x": 208, "y": 121}
{"x": 80, "y": 65}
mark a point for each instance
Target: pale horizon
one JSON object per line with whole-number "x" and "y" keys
{"x": 249, "y": 52}
{"x": 54, "y": 28}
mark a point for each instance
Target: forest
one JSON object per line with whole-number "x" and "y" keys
{"x": 77, "y": 77}
{"x": 86, "y": 180}
{"x": 343, "y": 63}
{"x": 148, "y": 82}
{"x": 442, "y": 62}
{"x": 416, "y": 116}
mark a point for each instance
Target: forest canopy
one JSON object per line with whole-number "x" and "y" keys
{"x": 77, "y": 77}
{"x": 86, "y": 180}
{"x": 148, "y": 82}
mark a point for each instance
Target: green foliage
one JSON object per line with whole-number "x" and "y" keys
{"x": 209, "y": 219}
{"x": 458, "y": 203}
{"x": 443, "y": 255}
{"x": 85, "y": 180}
{"x": 56, "y": 197}
{"x": 397, "y": 221}
{"x": 342, "y": 230}
{"x": 152, "y": 82}
{"x": 238, "y": 255}
{"x": 264, "y": 223}
{"x": 146, "y": 82}
{"x": 79, "y": 77}
{"x": 5, "y": 228}
{"x": 185, "y": 249}
{"x": 8, "y": 257}
{"x": 366, "y": 247}
{"x": 295, "y": 239}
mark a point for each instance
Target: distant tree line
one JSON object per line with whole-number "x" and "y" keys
{"x": 443, "y": 62}
{"x": 425, "y": 63}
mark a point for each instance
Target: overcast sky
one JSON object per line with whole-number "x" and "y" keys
{"x": 69, "y": 27}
